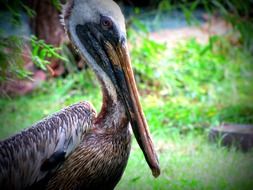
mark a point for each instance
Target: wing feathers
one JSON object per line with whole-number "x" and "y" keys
{"x": 30, "y": 155}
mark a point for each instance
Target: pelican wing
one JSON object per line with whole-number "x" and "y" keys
{"x": 33, "y": 154}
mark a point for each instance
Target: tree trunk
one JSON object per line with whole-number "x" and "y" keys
{"x": 46, "y": 25}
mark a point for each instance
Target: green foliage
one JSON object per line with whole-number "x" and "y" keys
{"x": 195, "y": 85}
{"x": 145, "y": 63}
{"x": 42, "y": 51}
{"x": 240, "y": 15}
{"x": 56, "y": 4}
{"x": 197, "y": 71}
{"x": 11, "y": 62}
{"x": 211, "y": 72}
{"x": 14, "y": 7}
{"x": 11, "y": 55}
{"x": 11, "y": 47}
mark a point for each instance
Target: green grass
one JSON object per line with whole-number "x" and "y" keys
{"x": 183, "y": 92}
{"x": 190, "y": 162}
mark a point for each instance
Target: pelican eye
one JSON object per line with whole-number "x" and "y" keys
{"x": 106, "y": 22}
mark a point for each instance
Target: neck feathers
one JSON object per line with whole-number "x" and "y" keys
{"x": 113, "y": 112}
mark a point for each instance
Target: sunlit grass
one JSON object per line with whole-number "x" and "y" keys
{"x": 190, "y": 162}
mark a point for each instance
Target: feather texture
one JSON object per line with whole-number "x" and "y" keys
{"x": 98, "y": 163}
{"x": 23, "y": 155}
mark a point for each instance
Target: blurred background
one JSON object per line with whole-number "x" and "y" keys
{"x": 193, "y": 63}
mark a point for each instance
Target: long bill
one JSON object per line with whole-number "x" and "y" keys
{"x": 123, "y": 71}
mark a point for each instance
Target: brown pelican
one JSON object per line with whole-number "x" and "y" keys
{"x": 74, "y": 148}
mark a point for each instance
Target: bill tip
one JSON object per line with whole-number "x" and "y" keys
{"x": 156, "y": 172}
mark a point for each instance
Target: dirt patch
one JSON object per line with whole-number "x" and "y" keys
{"x": 202, "y": 33}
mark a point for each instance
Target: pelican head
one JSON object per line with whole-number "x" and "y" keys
{"x": 97, "y": 29}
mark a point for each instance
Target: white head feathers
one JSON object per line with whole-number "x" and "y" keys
{"x": 81, "y": 11}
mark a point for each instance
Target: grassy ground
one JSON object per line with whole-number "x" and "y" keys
{"x": 188, "y": 161}
{"x": 184, "y": 92}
